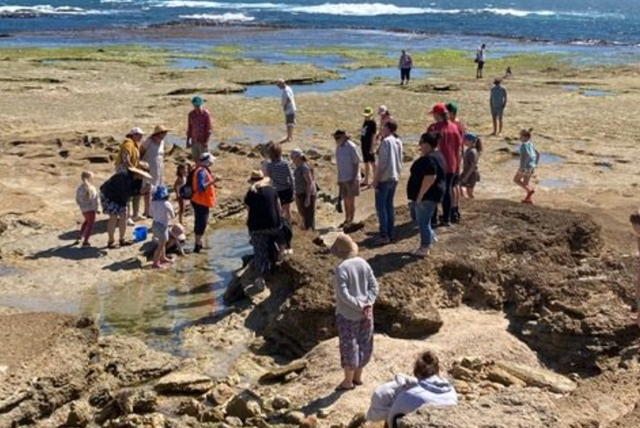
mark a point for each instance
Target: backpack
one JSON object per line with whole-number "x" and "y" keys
{"x": 186, "y": 191}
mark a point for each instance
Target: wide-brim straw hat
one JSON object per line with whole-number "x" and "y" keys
{"x": 344, "y": 247}
{"x": 256, "y": 176}
{"x": 140, "y": 172}
{"x": 159, "y": 130}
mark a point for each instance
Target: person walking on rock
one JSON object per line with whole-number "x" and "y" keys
{"x": 356, "y": 291}
{"x": 289, "y": 107}
{"x": 481, "y": 58}
{"x": 348, "y": 163}
{"x": 386, "y": 179}
{"x": 199, "y": 129}
{"x": 498, "y": 102}
{"x": 87, "y": 200}
{"x": 204, "y": 197}
{"x": 529, "y": 158}
{"x": 405, "y": 64}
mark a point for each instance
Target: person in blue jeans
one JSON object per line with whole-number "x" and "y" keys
{"x": 386, "y": 179}
{"x": 425, "y": 189}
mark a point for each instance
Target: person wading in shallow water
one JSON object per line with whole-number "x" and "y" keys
{"x": 405, "y": 64}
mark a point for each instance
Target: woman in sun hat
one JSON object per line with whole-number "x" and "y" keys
{"x": 367, "y": 143}
{"x": 114, "y": 197}
{"x": 385, "y": 116}
{"x": 129, "y": 156}
{"x": 204, "y": 196}
{"x": 265, "y": 227}
{"x": 356, "y": 291}
{"x": 152, "y": 152}
{"x": 306, "y": 189}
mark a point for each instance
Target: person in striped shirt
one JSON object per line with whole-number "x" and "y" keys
{"x": 281, "y": 175}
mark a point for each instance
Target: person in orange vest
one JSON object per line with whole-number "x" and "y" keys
{"x": 204, "y": 197}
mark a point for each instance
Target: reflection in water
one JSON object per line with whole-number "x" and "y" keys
{"x": 351, "y": 79}
{"x": 159, "y": 307}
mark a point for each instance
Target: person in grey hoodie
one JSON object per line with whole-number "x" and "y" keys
{"x": 386, "y": 179}
{"x": 431, "y": 390}
{"x": 356, "y": 291}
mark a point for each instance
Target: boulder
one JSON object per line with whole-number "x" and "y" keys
{"x": 539, "y": 377}
{"x": 279, "y": 403}
{"x": 279, "y": 373}
{"x": 80, "y": 415}
{"x": 245, "y": 405}
{"x": 184, "y": 383}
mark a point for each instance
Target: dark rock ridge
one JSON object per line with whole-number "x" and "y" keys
{"x": 546, "y": 269}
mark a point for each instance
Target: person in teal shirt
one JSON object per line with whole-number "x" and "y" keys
{"x": 529, "y": 157}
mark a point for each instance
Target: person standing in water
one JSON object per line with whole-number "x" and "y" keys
{"x": 529, "y": 158}
{"x": 289, "y": 107}
{"x": 405, "y": 65}
{"x": 481, "y": 58}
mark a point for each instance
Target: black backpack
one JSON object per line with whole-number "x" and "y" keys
{"x": 187, "y": 191}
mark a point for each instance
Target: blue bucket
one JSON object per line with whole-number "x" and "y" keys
{"x": 140, "y": 233}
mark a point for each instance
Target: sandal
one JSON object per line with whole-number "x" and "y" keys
{"x": 125, "y": 242}
{"x": 112, "y": 245}
{"x": 342, "y": 388}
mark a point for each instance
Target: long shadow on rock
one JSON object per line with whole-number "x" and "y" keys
{"x": 70, "y": 252}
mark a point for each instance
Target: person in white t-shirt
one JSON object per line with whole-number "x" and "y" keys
{"x": 289, "y": 107}
{"x": 481, "y": 58}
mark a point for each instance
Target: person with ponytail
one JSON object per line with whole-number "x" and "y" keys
{"x": 87, "y": 200}
{"x": 470, "y": 172}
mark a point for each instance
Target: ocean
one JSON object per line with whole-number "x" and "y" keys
{"x": 588, "y": 22}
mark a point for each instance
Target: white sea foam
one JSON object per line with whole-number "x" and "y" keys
{"x": 225, "y": 17}
{"x": 49, "y": 10}
{"x": 358, "y": 9}
{"x": 369, "y": 9}
{"x": 218, "y": 5}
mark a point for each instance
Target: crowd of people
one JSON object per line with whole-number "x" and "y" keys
{"x": 446, "y": 170}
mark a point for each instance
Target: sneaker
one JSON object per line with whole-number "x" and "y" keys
{"x": 130, "y": 222}
{"x": 255, "y": 288}
{"x": 421, "y": 252}
{"x": 382, "y": 240}
{"x": 197, "y": 248}
{"x": 139, "y": 217}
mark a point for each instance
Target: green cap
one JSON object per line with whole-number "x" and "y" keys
{"x": 197, "y": 101}
{"x": 452, "y": 107}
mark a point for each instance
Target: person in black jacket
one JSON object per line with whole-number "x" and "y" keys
{"x": 114, "y": 197}
{"x": 265, "y": 226}
{"x": 425, "y": 189}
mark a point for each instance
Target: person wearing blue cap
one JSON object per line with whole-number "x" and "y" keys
{"x": 162, "y": 212}
{"x": 199, "y": 129}
{"x": 470, "y": 172}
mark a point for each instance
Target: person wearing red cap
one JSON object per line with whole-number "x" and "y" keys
{"x": 450, "y": 144}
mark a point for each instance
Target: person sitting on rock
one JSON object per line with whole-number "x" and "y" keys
{"x": 429, "y": 390}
